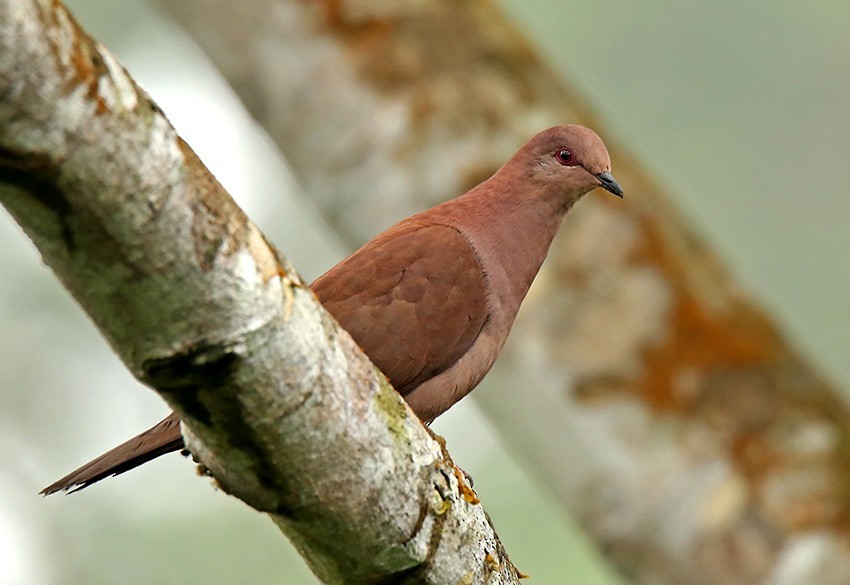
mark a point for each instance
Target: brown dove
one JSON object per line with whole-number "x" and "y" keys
{"x": 432, "y": 299}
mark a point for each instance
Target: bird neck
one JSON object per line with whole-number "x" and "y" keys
{"x": 511, "y": 232}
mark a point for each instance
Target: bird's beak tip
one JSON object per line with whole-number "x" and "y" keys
{"x": 607, "y": 182}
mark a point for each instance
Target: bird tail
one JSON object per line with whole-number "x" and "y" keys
{"x": 163, "y": 438}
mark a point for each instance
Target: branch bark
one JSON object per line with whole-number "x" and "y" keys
{"x": 669, "y": 413}
{"x": 278, "y": 402}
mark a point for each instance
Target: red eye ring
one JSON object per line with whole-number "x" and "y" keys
{"x": 565, "y": 156}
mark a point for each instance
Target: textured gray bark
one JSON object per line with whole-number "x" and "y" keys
{"x": 279, "y": 404}
{"x": 662, "y": 406}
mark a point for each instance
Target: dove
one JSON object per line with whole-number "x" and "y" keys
{"x": 432, "y": 299}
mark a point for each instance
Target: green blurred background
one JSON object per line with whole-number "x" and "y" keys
{"x": 741, "y": 109}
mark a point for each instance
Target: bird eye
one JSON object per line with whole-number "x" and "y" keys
{"x": 565, "y": 157}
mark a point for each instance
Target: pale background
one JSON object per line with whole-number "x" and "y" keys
{"x": 741, "y": 109}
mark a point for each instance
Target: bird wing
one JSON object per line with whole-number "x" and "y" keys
{"x": 413, "y": 298}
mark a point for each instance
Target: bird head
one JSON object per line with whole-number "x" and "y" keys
{"x": 570, "y": 159}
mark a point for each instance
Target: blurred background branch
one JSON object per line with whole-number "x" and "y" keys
{"x": 688, "y": 438}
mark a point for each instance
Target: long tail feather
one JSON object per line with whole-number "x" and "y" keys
{"x": 163, "y": 438}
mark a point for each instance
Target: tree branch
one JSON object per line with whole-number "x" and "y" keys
{"x": 278, "y": 402}
{"x": 669, "y": 413}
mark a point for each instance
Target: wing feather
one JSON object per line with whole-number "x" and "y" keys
{"x": 413, "y": 298}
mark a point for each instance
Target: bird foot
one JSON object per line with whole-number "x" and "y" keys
{"x": 465, "y": 487}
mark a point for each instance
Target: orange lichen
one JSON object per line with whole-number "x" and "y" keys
{"x": 702, "y": 342}
{"x": 86, "y": 64}
{"x": 701, "y": 339}
{"x": 361, "y": 33}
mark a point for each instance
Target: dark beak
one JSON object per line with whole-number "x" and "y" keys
{"x": 607, "y": 182}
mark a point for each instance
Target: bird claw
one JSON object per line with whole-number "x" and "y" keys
{"x": 465, "y": 487}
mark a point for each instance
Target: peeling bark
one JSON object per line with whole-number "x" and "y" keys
{"x": 278, "y": 402}
{"x": 668, "y": 412}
